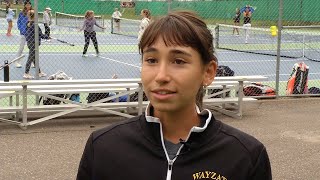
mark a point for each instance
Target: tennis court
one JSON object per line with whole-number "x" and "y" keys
{"x": 119, "y": 55}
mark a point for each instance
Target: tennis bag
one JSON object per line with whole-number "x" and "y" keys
{"x": 314, "y": 90}
{"x": 257, "y": 89}
{"x": 298, "y": 81}
{"x": 221, "y": 71}
{"x": 92, "y": 97}
{"x": 60, "y": 75}
{"x": 134, "y": 97}
{"x": 224, "y": 71}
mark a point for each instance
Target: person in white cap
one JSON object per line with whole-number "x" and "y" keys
{"x": 47, "y": 21}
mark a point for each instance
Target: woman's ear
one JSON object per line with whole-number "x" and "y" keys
{"x": 210, "y": 72}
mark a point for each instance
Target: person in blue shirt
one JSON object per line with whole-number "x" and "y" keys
{"x": 22, "y": 26}
{"x": 30, "y": 37}
{"x": 9, "y": 18}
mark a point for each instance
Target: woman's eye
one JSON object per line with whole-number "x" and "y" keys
{"x": 151, "y": 60}
{"x": 179, "y": 61}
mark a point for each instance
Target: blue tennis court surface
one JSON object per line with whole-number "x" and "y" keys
{"x": 119, "y": 55}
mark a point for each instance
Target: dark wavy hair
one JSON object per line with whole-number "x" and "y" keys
{"x": 182, "y": 28}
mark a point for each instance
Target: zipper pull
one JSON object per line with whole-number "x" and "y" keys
{"x": 170, "y": 163}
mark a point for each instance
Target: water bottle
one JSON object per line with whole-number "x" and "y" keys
{"x": 6, "y": 71}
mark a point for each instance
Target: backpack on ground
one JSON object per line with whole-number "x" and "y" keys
{"x": 75, "y": 97}
{"x": 60, "y": 75}
{"x": 314, "y": 90}
{"x": 92, "y": 97}
{"x": 123, "y": 98}
{"x": 257, "y": 89}
{"x": 298, "y": 81}
{"x": 221, "y": 71}
{"x": 49, "y": 101}
{"x": 224, "y": 71}
{"x": 135, "y": 95}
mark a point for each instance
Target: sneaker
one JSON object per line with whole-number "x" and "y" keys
{"x": 84, "y": 55}
{"x": 18, "y": 65}
{"x": 33, "y": 66}
{"x": 42, "y": 74}
{"x": 97, "y": 54}
{"x": 28, "y": 76}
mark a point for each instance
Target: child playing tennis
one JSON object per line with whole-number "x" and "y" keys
{"x": 247, "y": 23}
{"x": 116, "y": 15}
{"x": 30, "y": 37}
{"x": 9, "y": 18}
{"x": 22, "y": 26}
{"x": 146, "y": 17}
{"x": 89, "y": 32}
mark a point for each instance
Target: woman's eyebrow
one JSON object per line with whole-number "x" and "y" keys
{"x": 177, "y": 51}
{"x": 150, "y": 49}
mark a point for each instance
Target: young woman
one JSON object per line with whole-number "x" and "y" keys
{"x": 146, "y": 17}
{"x": 22, "y": 26}
{"x": 116, "y": 15}
{"x": 247, "y": 23}
{"x": 236, "y": 21}
{"x": 89, "y": 32}
{"x": 176, "y": 139}
{"x": 30, "y": 37}
{"x": 47, "y": 21}
{"x": 9, "y": 18}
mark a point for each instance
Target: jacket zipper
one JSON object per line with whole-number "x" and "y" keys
{"x": 170, "y": 162}
{"x": 169, "y": 172}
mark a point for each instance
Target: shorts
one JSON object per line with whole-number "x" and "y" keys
{"x": 117, "y": 20}
{"x": 9, "y": 20}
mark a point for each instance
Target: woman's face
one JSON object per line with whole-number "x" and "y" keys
{"x": 171, "y": 76}
{"x": 30, "y": 12}
{"x": 28, "y": 6}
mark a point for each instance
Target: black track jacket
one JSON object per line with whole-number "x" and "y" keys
{"x": 133, "y": 150}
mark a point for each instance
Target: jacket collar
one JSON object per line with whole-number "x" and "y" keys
{"x": 204, "y": 113}
{"x": 199, "y": 135}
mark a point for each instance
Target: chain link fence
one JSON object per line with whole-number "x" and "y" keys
{"x": 257, "y": 50}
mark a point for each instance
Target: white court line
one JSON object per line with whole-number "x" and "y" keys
{"x": 119, "y": 62}
{"x": 238, "y": 52}
{"x": 265, "y": 60}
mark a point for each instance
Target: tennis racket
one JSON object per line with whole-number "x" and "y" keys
{"x": 62, "y": 41}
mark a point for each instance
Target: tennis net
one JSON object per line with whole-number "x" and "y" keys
{"x": 125, "y": 27}
{"x": 3, "y": 12}
{"x": 303, "y": 42}
{"x": 75, "y": 21}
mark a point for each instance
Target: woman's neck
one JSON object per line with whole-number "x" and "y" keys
{"x": 177, "y": 125}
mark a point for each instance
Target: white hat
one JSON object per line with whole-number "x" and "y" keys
{"x": 47, "y": 8}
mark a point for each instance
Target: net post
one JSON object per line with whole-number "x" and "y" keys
{"x": 303, "y": 45}
{"x": 111, "y": 25}
{"x": 55, "y": 14}
{"x": 102, "y": 17}
{"x": 216, "y": 38}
